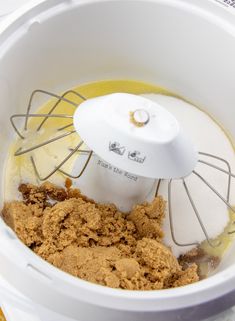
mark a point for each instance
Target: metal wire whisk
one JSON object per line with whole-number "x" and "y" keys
{"x": 89, "y": 153}
{"x": 45, "y": 117}
{"x": 190, "y": 198}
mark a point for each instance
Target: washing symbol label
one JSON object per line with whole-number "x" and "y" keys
{"x": 117, "y": 148}
{"x": 136, "y": 157}
{"x": 226, "y": 4}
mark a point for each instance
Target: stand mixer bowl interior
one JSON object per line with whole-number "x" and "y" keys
{"x": 175, "y": 44}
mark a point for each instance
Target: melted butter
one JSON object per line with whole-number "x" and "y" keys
{"x": 224, "y": 240}
{"x": 21, "y": 170}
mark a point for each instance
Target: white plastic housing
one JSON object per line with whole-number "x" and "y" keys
{"x": 186, "y": 46}
{"x": 107, "y": 183}
{"x": 136, "y": 135}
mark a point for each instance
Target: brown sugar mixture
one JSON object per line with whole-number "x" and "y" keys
{"x": 97, "y": 242}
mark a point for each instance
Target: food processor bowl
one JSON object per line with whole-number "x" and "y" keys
{"x": 186, "y": 46}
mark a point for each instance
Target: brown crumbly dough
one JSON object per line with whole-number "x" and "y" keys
{"x": 97, "y": 242}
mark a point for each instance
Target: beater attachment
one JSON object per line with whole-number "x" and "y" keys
{"x": 44, "y": 118}
{"x": 132, "y": 134}
{"x": 190, "y": 198}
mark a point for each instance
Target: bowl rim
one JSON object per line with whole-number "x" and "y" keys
{"x": 215, "y": 286}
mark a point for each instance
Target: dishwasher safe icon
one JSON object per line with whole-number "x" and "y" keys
{"x": 116, "y": 148}
{"x": 135, "y": 156}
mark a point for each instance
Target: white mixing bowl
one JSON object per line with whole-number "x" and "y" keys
{"x": 187, "y": 46}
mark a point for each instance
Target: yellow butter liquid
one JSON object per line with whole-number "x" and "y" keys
{"x": 21, "y": 166}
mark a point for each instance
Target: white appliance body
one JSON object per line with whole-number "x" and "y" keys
{"x": 186, "y": 46}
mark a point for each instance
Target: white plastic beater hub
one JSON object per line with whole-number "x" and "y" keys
{"x": 136, "y": 135}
